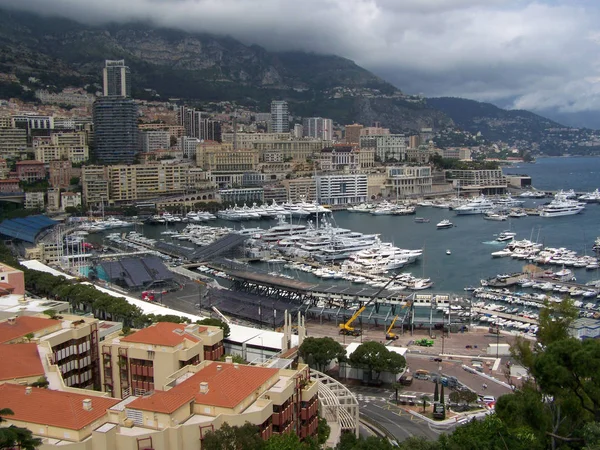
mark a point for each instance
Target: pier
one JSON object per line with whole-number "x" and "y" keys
{"x": 489, "y": 312}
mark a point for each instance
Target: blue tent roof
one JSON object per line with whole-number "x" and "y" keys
{"x": 27, "y": 228}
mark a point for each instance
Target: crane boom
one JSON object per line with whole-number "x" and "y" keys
{"x": 391, "y": 325}
{"x": 346, "y": 328}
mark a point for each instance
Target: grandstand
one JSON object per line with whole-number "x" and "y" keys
{"x": 135, "y": 274}
{"x": 27, "y": 228}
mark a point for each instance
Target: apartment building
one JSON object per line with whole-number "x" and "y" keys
{"x": 70, "y": 343}
{"x": 388, "y": 147}
{"x": 60, "y": 173}
{"x": 318, "y": 128}
{"x": 344, "y": 189}
{"x": 10, "y": 185}
{"x": 30, "y": 171}
{"x": 280, "y": 117}
{"x": 216, "y": 157}
{"x": 143, "y": 181}
{"x": 70, "y": 200}
{"x": 352, "y": 133}
{"x": 247, "y": 140}
{"x": 94, "y": 181}
{"x": 74, "y": 154}
{"x": 299, "y": 189}
{"x": 409, "y": 181}
{"x": 488, "y": 182}
{"x": 4, "y": 169}
{"x": 11, "y": 280}
{"x": 13, "y": 142}
{"x": 34, "y": 200}
{"x": 455, "y": 152}
{"x": 154, "y": 140}
{"x": 188, "y": 146}
{"x": 142, "y": 361}
{"x": 292, "y": 150}
{"x": 173, "y": 130}
{"x": 195, "y": 400}
{"x": 22, "y": 364}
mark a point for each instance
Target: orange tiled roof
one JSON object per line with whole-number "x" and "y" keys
{"x": 227, "y": 388}
{"x": 53, "y": 408}
{"x": 20, "y": 361}
{"x": 162, "y": 333}
{"x": 24, "y": 325}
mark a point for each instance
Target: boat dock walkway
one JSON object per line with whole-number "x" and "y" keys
{"x": 489, "y": 312}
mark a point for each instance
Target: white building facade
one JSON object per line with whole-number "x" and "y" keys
{"x": 388, "y": 147}
{"x": 344, "y": 189}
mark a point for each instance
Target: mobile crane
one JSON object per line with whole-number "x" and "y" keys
{"x": 346, "y": 328}
{"x": 388, "y": 334}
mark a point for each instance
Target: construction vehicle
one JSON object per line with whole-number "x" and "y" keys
{"x": 424, "y": 342}
{"x": 388, "y": 334}
{"x": 347, "y": 328}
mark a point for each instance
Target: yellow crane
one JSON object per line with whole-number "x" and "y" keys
{"x": 388, "y": 334}
{"x": 346, "y": 328}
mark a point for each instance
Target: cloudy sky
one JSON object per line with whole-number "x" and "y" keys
{"x": 537, "y": 55}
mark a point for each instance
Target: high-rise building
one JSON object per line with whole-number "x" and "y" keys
{"x": 280, "y": 117}
{"x": 197, "y": 124}
{"x": 115, "y": 130}
{"x": 353, "y": 133}
{"x": 318, "y": 128}
{"x": 116, "y": 81}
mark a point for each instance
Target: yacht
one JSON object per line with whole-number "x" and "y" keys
{"x": 590, "y": 197}
{"x": 495, "y": 216}
{"x": 533, "y": 194}
{"x": 508, "y": 201}
{"x": 444, "y": 224}
{"x": 421, "y": 220}
{"x": 561, "y": 206}
{"x": 479, "y": 205}
{"x": 362, "y": 208}
{"x": 282, "y": 229}
{"x": 506, "y": 236}
{"x": 193, "y": 217}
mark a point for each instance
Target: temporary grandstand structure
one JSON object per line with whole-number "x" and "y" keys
{"x": 27, "y": 228}
{"x": 137, "y": 273}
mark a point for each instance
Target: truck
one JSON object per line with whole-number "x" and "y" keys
{"x": 424, "y": 342}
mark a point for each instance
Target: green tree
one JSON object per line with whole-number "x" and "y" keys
{"x": 216, "y": 323}
{"x": 74, "y": 181}
{"x": 442, "y": 399}
{"x": 555, "y": 320}
{"x": 375, "y": 357}
{"x": 227, "y": 437}
{"x": 436, "y": 393}
{"x": 319, "y": 352}
{"x": 12, "y": 436}
{"x": 235, "y": 358}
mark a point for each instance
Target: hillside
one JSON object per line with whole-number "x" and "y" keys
{"x": 202, "y": 67}
{"x": 496, "y": 124}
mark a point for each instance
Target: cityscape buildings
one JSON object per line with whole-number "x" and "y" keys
{"x": 116, "y": 79}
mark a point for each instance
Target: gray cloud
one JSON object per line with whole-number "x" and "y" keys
{"x": 536, "y": 54}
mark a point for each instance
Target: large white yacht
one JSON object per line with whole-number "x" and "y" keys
{"x": 282, "y": 229}
{"x": 590, "y": 197}
{"x": 561, "y": 206}
{"x": 479, "y": 205}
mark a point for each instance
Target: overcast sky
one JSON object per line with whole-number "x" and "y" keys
{"x": 518, "y": 53}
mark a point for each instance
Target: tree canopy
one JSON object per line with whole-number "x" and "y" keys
{"x": 375, "y": 357}
{"x": 319, "y": 352}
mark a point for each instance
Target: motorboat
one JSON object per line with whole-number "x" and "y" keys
{"x": 362, "y": 208}
{"x": 561, "y": 206}
{"x": 495, "y": 216}
{"x": 501, "y": 253}
{"x": 444, "y": 224}
{"x": 448, "y": 252}
{"x": 282, "y": 229}
{"x": 506, "y": 236}
{"x": 421, "y": 220}
{"x": 479, "y": 205}
{"x": 508, "y": 201}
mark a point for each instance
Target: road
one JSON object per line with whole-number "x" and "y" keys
{"x": 400, "y": 424}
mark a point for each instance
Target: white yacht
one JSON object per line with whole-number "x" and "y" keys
{"x": 444, "y": 224}
{"x": 495, "y": 216}
{"x": 506, "y": 236}
{"x": 282, "y": 229}
{"x": 479, "y": 205}
{"x": 590, "y": 197}
{"x": 561, "y": 206}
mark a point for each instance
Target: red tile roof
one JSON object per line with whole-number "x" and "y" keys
{"x": 227, "y": 388}
{"x": 29, "y": 163}
{"x": 24, "y": 325}
{"x": 162, "y": 333}
{"x": 53, "y": 408}
{"x": 20, "y": 361}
